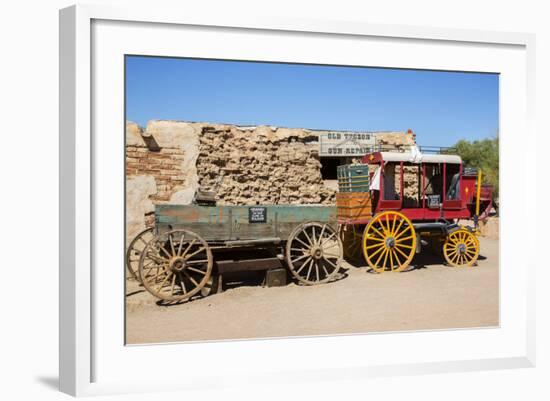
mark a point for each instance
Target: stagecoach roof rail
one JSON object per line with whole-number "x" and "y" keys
{"x": 438, "y": 150}
{"x": 410, "y": 157}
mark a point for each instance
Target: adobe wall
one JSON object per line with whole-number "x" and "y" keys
{"x": 160, "y": 168}
{"x": 262, "y": 165}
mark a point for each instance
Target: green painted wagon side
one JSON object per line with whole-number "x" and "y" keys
{"x": 233, "y": 223}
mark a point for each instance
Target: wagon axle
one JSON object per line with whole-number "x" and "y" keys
{"x": 316, "y": 252}
{"x": 177, "y": 264}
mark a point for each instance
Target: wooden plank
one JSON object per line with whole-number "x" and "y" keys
{"x": 226, "y": 266}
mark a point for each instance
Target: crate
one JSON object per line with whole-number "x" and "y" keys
{"x": 353, "y": 178}
{"x": 354, "y": 205}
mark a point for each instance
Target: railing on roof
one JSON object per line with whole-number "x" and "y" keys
{"x": 438, "y": 150}
{"x": 435, "y": 150}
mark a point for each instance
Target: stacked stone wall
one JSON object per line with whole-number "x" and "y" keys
{"x": 261, "y": 166}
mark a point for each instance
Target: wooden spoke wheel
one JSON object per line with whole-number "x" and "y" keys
{"x": 176, "y": 265}
{"x": 389, "y": 242}
{"x": 350, "y": 235}
{"x": 133, "y": 253}
{"x": 461, "y": 248}
{"x": 314, "y": 253}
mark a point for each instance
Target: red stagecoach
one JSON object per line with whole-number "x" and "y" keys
{"x": 411, "y": 199}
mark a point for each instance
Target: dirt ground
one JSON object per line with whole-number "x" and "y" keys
{"x": 427, "y": 296}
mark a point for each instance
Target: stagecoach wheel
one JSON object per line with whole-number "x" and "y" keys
{"x": 350, "y": 235}
{"x": 461, "y": 248}
{"x": 389, "y": 242}
{"x": 133, "y": 253}
{"x": 314, "y": 253}
{"x": 176, "y": 265}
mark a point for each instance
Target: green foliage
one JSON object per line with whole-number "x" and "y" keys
{"x": 482, "y": 154}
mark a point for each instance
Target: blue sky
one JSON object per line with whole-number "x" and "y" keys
{"x": 440, "y": 107}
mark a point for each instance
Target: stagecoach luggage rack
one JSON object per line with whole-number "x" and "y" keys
{"x": 353, "y": 178}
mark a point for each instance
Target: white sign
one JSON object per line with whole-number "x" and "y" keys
{"x": 341, "y": 144}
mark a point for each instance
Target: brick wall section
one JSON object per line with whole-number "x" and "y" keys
{"x": 163, "y": 165}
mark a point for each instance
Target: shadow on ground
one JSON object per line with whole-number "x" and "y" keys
{"x": 423, "y": 260}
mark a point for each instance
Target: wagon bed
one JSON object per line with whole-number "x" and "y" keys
{"x": 239, "y": 225}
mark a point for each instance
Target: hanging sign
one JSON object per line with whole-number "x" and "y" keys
{"x": 342, "y": 144}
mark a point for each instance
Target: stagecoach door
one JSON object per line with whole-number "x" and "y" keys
{"x": 391, "y": 186}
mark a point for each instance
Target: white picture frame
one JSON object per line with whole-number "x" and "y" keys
{"x": 85, "y": 355}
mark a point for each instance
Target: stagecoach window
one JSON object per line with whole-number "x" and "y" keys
{"x": 454, "y": 188}
{"x": 412, "y": 185}
{"x": 392, "y": 180}
{"x": 452, "y": 182}
{"x": 434, "y": 180}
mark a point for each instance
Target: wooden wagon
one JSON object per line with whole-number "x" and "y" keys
{"x": 192, "y": 246}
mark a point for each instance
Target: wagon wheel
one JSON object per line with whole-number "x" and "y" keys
{"x": 133, "y": 253}
{"x": 351, "y": 235}
{"x": 176, "y": 265}
{"x": 461, "y": 248}
{"x": 314, "y": 253}
{"x": 389, "y": 242}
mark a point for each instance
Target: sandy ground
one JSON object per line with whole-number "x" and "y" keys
{"x": 428, "y": 296}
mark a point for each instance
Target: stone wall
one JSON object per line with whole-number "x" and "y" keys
{"x": 399, "y": 140}
{"x": 261, "y": 165}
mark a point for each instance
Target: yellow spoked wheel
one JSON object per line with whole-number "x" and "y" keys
{"x": 389, "y": 242}
{"x": 461, "y": 248}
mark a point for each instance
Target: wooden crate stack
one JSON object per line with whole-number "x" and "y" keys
{"x": 353, "y": 178}
{"x": 353, "y": 200}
